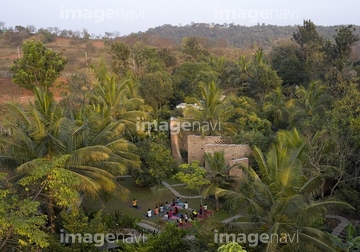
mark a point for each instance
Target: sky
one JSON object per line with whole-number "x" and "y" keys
{"x": 125, "y": 17}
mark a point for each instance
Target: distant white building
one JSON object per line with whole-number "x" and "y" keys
{"x": 184, "y": 105}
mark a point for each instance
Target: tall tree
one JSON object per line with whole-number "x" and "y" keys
{"x": 120, "y": 55}
{"x": 187, "y": 78}
{"x": 119, "y": 102}
{"x": 275, "y": 106}
{"x": 157, "y": 163}
{"x": 97, "y": 147}
{"x": 311, "y": 52}
{"x": 157, "y": 89}
{"x": 279, "y": 199}
{"x": 339, "y": 53}
{"x": 38, "y": 67}
{"x": 258, "y": 76}
{"x": 192, "y": 48}
{"x": 310, "y": 101}
{"x": 217, "y": 174}
{"x": 212, "y": 111}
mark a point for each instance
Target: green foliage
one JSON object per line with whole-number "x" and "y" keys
{"x": 38, "y": 67}
{"x": 169, "y": 239}
{"x": 352, "y": 243}
{"x": 212, "y": 111}
{"x": 187, "y": 78}
{"x": 46, "y": 36}
{"x": 119, "y": 103}
{"x": 192, "y": 48}
{"x": 80, "y": 84}
{"x": 167, "y": 58}
{"x": 157, "y": 164}
{"x": 311, "y": 53}
{"x": 218, "y": 175}
{"x": 275, "y": 107}
{"x": 250, "y": 126}
{"x": 258, "y": 76}
{"x": 278, "y": 197}
{"x": 20, "y": 225}
{"x": 147, "y": 60}
{"x": 310, "y": 101}
{"x": 286, "y": 62}
{"x": 79, "y": 223}
{"x": 49, "y": 179}
{"x": 157, "y": 89}
{"x": 193, "y": 176}
{"x": 204, "y": 234}
{"x": 120, "y": 55}
{"x": 231, "y": 247}
{"x": 339, "y": 53}
{"x": 122, "y": 221}
{"x": 307, "y": 34}
{"x": 96, "y": 144}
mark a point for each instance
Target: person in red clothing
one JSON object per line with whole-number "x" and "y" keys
{"x": 176, "y": 211}
{"x": 170, "y": 214}
{"x": 201, "y": 210}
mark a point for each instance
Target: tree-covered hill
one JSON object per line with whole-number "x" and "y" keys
{"x": 224, "y": 35}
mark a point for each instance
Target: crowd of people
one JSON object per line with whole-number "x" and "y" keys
{"x": 171, "y": 211}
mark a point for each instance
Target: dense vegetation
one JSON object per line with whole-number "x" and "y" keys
{"x": 295, "y": 103}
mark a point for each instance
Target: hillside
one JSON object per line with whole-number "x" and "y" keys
{"x": 235, "y": 35}
{"x": 225, "y": 39}
{"x": 82, "y": 50}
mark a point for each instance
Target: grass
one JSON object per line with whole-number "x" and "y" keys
{"x": 146, "y": 198}
{"x": 185, "y": 191}
{"x": 172, "y": 181}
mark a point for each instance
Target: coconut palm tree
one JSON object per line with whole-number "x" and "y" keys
{"x": 98, "y": 151}
{"x": 120, "y": 102}
{"x": 275, "y": 106}
{"x": 279, "y": 200}
{"x": 310, "y": 101}
{"x": 218, "y": 175}
{"x": 258, "y": 78}
{"x": 211, "y": 110}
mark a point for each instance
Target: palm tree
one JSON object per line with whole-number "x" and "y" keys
{"x": 212, "y": 110}
{"x": 279, "y": 199}
{"x": 217, "y": 63}
{"x": 120, "y": 102}
{"x": 217, "y": 174}
{"x": 258, "y": 78}
{"x": 309, "y": 101}
{"x": 275, "y": 106}
{"x": 98, "y": 152}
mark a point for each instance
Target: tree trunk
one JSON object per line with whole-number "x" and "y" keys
{"x": 51, "y": 217}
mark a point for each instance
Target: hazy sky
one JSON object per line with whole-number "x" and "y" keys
{"x": 127, "y": 16}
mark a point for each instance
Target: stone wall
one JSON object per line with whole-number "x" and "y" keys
{"x": 197, "y": 145}
{"x": 231, "y": 151}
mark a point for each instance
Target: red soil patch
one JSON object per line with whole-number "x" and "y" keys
{"x": 11, "y": 56}
{"x": 98, "y": 43}
{"x": 11, "y": 92}
{"x": 59, "y": 41}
